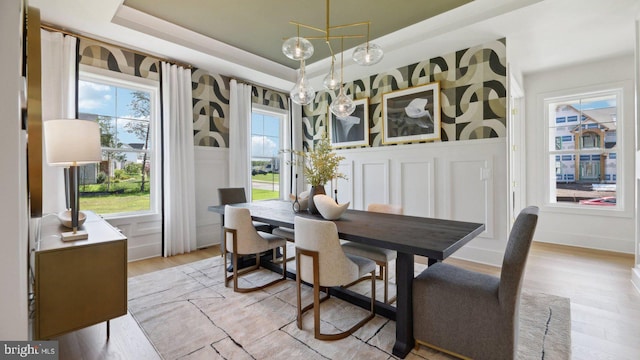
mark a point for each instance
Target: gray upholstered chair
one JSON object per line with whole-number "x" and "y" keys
{"x": 381, "y": 256}
{"x": 237, "y": 195}
{"x": 470, "y": 314}
{"x": 321, "y": 262}
{"x": 242, "y": 238}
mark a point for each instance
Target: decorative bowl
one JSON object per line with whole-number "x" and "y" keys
{"x": 65, "y": 218}
{"x": 328, "y": 207}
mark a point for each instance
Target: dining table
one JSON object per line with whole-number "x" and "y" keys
{"x": 433, "y": 238}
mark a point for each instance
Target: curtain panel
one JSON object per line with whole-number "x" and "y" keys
{"x": 178, "y": 161}
{"x": 239, "y": 136}
{"x": 58, "y": 102}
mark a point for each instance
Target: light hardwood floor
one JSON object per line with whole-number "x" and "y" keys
{"x": 605, "y": 307}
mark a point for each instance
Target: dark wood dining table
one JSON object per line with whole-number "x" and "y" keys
{"x": 434, "y": 238}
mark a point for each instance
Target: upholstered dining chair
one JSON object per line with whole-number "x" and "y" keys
{"x": 321, "y": 262}
{"x": 236, "y": 195}
{"x": 242, "y": 238}
{"x": 474, "y": 315}
{"x": 381, "y": 256}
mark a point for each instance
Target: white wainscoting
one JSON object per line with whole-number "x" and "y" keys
{"x": 212, "y": 172}
{"x": 462, "y": 180}
{"x": 144, "y": 235}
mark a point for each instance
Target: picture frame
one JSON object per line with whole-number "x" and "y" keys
{"x": 352, "y": 131}
{"x": 411, "y": 114}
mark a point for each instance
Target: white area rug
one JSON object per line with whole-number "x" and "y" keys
{"x": 188, "y": 313}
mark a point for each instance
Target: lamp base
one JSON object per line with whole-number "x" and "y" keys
{"x": 73, "y": 236}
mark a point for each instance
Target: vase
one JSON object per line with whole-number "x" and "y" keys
{"x": 315, "y": 190}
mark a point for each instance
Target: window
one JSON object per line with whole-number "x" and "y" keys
{"x": 266, "y": 142}
{"x": 582, "y": 149}
{"x": 125, "y": 182}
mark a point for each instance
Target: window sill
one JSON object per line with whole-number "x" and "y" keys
{"x": 583, "y": 210}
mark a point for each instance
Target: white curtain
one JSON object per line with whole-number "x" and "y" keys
{"x": 240, "y": 136}
{"x": 58, "y": 102}
{"x": 178, "y": 161}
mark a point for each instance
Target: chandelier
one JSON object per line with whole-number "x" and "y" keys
{"x": 300, "y": 49}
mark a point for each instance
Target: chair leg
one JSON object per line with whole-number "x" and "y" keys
{"x": 317, "y": 300}
{"x": 284, "y": 261}
{"x": 236, "y": 273}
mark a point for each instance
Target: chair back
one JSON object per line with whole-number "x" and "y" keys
{"x": 231, "y": 195}
{"x": 385, "y": 208}
{"x": 335, "y": 268}
{"x": 249, "y": 241}
{"x": 515, "y": 255}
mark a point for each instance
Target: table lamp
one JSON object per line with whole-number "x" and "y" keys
{"x": 70, "y": 143}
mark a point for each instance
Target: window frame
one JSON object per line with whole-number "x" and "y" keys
{"x": 622, "y": 208}
{"x": 284, "y": 130}
{"x": 117, "y": 79}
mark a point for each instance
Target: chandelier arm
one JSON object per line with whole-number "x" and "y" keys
{"x": 333, "y": 56}
{"x": 361, "y": 23}
{"x": 333, "y": 37}
{"x": 308, "y": 27}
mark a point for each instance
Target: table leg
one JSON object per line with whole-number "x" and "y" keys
{"x": 404, "y": 305}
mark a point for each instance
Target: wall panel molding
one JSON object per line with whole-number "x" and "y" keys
{"x": 212, "y": 172}
{"x": 451, "y": 180}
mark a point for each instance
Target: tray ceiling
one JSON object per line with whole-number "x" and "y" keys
{"x": 259, "y": 26}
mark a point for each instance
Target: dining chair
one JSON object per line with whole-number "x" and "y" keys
{"x": 236, "y": 195}
{"x": 242, "y": 238}
{"x": 470, "y": 314}
{"x": 321, "y": 262}
{"x": 381, "y": 256}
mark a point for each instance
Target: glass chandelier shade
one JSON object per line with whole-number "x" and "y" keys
{"x": 302, "y": 92}
{"x": 342, "y": 106}
{"x": 368, "y": 54}
{"x": 331, "y": 81}
{"x": 297, "y": 48}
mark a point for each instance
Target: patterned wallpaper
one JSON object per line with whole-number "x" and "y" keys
{"x": 473, "y": 95}
{"x": 210, "y": 91}
{"x": 109, "y": 57}
{"x": 211, "y": 107}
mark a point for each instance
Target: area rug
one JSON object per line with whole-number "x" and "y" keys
{"x": 188, "y": 313}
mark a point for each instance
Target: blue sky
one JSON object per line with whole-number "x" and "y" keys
{"x": 265, "y": 135}
{"x": 101, "y": 99}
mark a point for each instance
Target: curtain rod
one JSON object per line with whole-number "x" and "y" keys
{"x": 66, "y": 32}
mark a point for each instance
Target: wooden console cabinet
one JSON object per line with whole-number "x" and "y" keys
{"x": 78, "y": 283}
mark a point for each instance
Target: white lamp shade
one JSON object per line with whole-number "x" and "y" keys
{"x": 72, "y": 142}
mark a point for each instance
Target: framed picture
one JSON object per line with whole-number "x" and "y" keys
{"x": 352, "y": 130}
{"x": 411, "y": 114}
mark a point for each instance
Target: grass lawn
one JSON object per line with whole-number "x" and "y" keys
{"x": 259, "y": 194}
{"x": 267, "y": 177}
{"x": 115, "y": 203}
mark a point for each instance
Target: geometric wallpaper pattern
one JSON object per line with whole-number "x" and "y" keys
{"x": 114, "y": 58}
{"x": 211, "y": 106}
{"x": 473, "y": 96}
{"x": 210, "y": 109}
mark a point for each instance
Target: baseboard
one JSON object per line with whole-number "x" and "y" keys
{"x": 635, "y": 277}
{"x": 142, "y": 252}
{"x": 619, "y": 245}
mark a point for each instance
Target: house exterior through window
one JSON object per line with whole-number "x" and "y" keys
{"x": 583, "y": 146}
